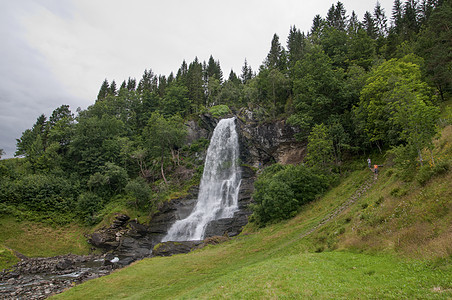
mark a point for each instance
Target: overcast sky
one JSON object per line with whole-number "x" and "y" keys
{"x": 55, "y": 52}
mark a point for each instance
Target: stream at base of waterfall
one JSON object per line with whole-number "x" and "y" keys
{"x": 219, "y": 188}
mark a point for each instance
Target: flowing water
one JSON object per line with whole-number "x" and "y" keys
{"x": 218, "y": 191}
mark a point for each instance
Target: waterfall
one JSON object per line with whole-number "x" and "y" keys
{"x": 219, "y": 188}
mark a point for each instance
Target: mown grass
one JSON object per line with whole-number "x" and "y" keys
{"x": 39, "y": 240}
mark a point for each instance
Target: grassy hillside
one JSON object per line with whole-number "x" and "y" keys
{"x": 40, "y": 240}
{"x": 393, "y": 242}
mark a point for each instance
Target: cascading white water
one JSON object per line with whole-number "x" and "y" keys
{"x": 219, "y": 188}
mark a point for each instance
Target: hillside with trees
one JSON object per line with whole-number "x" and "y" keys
{"x": 352, "y": 87}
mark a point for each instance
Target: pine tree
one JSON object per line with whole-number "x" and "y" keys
{"x": 103, "y": 92}
{"x": 112, "y": 90}
{"x": 340, "y": 18}
{"x": 410, "y": 19}
{"x": 353, "y": 24}
{"x": 195, "y": 84}
{"x": 369, "y": 25}
{"x": 317, "y": 24}
{"x": 296, "y": 45}
{"x": 163, "y": 83}
{"x": 397, "y": 15}
{"x": 213, "y": 69}
{"x": 233, "y": 77}
{"x": 182, "y": 73}
{"x": 380, "y": 20}
{"x": 247, "y": 73}
{"x": 131, "y": 84}
{"x": 148, "y": 82}
{"x": 123, "y": 85}
{"x": 276, "y": 58}
{"x": 336, "y": 16}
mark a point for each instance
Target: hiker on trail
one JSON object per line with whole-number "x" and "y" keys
{"x": 368, "y": 163}
{"x": 376, "y": 169}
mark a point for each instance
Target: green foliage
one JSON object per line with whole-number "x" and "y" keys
{"x": 348, "y": 85}
{"x": 426, "y": 172}
{"x": 390, "y": 99}
{"x": 320, "y": 148}
{"x": 40, "y": 197}
{"x": 88, "y": 205}
{"x": 109, "y": 181}
{"x": 219, "y": 111}
{"x": 139, "y": 191}
{"x": 317, "y": 89}
{"x": 280, "y": 191}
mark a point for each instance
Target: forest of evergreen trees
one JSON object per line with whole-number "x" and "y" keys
{"x": 352, "y": 86}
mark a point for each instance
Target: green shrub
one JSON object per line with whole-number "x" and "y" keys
{"x": 139, "y": 191}
{"x": 426, "y": 172}
{"x": 40, "y": 193}
{"x": 218, "y": 111}
{"x": 280, "y": 191}
{"x": 110, "y": 181}
{"x": 88, "y": 204}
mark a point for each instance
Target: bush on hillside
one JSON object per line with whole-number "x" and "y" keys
{"x": 41, "y": 193}
{"x": 219, "y": 110}
{"x": 426, "y": 172}
{"x": 280, "y": 191}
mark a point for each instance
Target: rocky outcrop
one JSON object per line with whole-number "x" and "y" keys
{"x": 172, "y": 248}
{"x": 268, "y": 142}
{"x": 171, "y": 211}
{"x": 228, "y": 226}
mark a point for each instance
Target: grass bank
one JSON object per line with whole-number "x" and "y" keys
{"x": 40, "y": 240}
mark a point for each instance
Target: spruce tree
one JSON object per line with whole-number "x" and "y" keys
{"x": 276, "y": 58}
{"x": 380, "y": 20}
{"x": 112, "y": 90}
{"x": 296, "y": 45}
{"x": 397, "y": 14}
{"x": 317, "y": 24}
{"x": 103, "y": 92}
{"x": 369, "y": 25}
{"x": 131, "y": 84}
{"x": 247, "y": 73}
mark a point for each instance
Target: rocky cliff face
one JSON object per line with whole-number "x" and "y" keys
{"x": 268, "y": 142}
{"x": 260, "y": 144}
